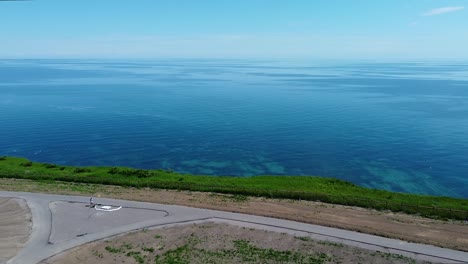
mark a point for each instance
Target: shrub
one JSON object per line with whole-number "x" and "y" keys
{"x": 130, "y": 172}
{"x": 26, "y": 164}
{"x": 81, "y": 170}
{"x": 113, "y": 249}
{"x": 148, "y": 249}
{"x": 50, "y": 166}
{"x": 113, "y": 171}
{"x": 3, "y": 158}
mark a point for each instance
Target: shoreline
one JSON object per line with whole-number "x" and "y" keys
{"x": 309, "y": 188}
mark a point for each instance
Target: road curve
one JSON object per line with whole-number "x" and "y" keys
{"x": 63, "y": 222}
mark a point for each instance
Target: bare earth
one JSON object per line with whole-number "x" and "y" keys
{"x": 15, "y": 226}
{"x": 449, "y": 234}
{"x": 218, "y": 243}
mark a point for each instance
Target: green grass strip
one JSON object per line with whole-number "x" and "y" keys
{"x": 291, "y": 187}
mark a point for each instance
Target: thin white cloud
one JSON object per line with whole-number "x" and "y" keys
{"x": 443, "y": 10}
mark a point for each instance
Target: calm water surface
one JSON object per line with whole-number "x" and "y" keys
{"x": 396, "y": 126}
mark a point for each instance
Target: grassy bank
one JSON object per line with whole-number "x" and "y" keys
{"x": 292, "y": 187}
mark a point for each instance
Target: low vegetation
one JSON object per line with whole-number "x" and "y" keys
{"x": 221, "y": 243}
{"x": 290, "y": 187}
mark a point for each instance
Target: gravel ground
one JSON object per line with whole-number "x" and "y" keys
{"x": 15, "y": 226}
{"x": 218, "y": 243}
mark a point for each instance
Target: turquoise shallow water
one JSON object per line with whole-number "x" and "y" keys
{"x": 396, "y": 126}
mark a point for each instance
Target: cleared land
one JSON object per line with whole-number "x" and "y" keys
{"x": 219, "y": 243}
{"x": 449, "y": 234}
{"x": 15, "y": 226}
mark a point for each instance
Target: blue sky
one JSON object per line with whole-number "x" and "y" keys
{"x": 311, "y": 29}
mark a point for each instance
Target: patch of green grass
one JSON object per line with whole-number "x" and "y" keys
{"x": 179, "y": 255}
{"x": 329, "y": 243}
{"x": 242, "y": 252}
{"x": 26, "y": 164}
{"x": 136, "y": 255}
{"x": 392, "y": 256}
{"x": 148, "y": 249}
{"x": 130, "y": 172}
{"x": 50, "y": 166}
{"x": 250, "y": 253}
{"x": 239, "y": 198}
{"x": 127, "y": 246}
{"x": 113, "y": 249}
{"x": 290, "y": 187}
{"x": 81, "y": 170}
{"x": 304, "y": 238}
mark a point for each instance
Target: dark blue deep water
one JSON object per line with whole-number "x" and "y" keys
{"x": 395, "y": 126}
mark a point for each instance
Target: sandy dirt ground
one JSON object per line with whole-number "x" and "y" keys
{"x": 218, "y": 243}
{"x": 449, "y": 234}
{"x": 15, "y": 226}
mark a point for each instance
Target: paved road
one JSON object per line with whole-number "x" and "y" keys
{"x": 63, "y": 222}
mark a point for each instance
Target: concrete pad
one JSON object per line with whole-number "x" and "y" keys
{"x": 71, "y": 220}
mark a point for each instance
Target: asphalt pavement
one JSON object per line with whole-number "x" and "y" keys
{"x": 63, "y": 222}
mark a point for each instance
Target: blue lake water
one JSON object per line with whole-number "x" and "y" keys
{"x": 395, "y": 126}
